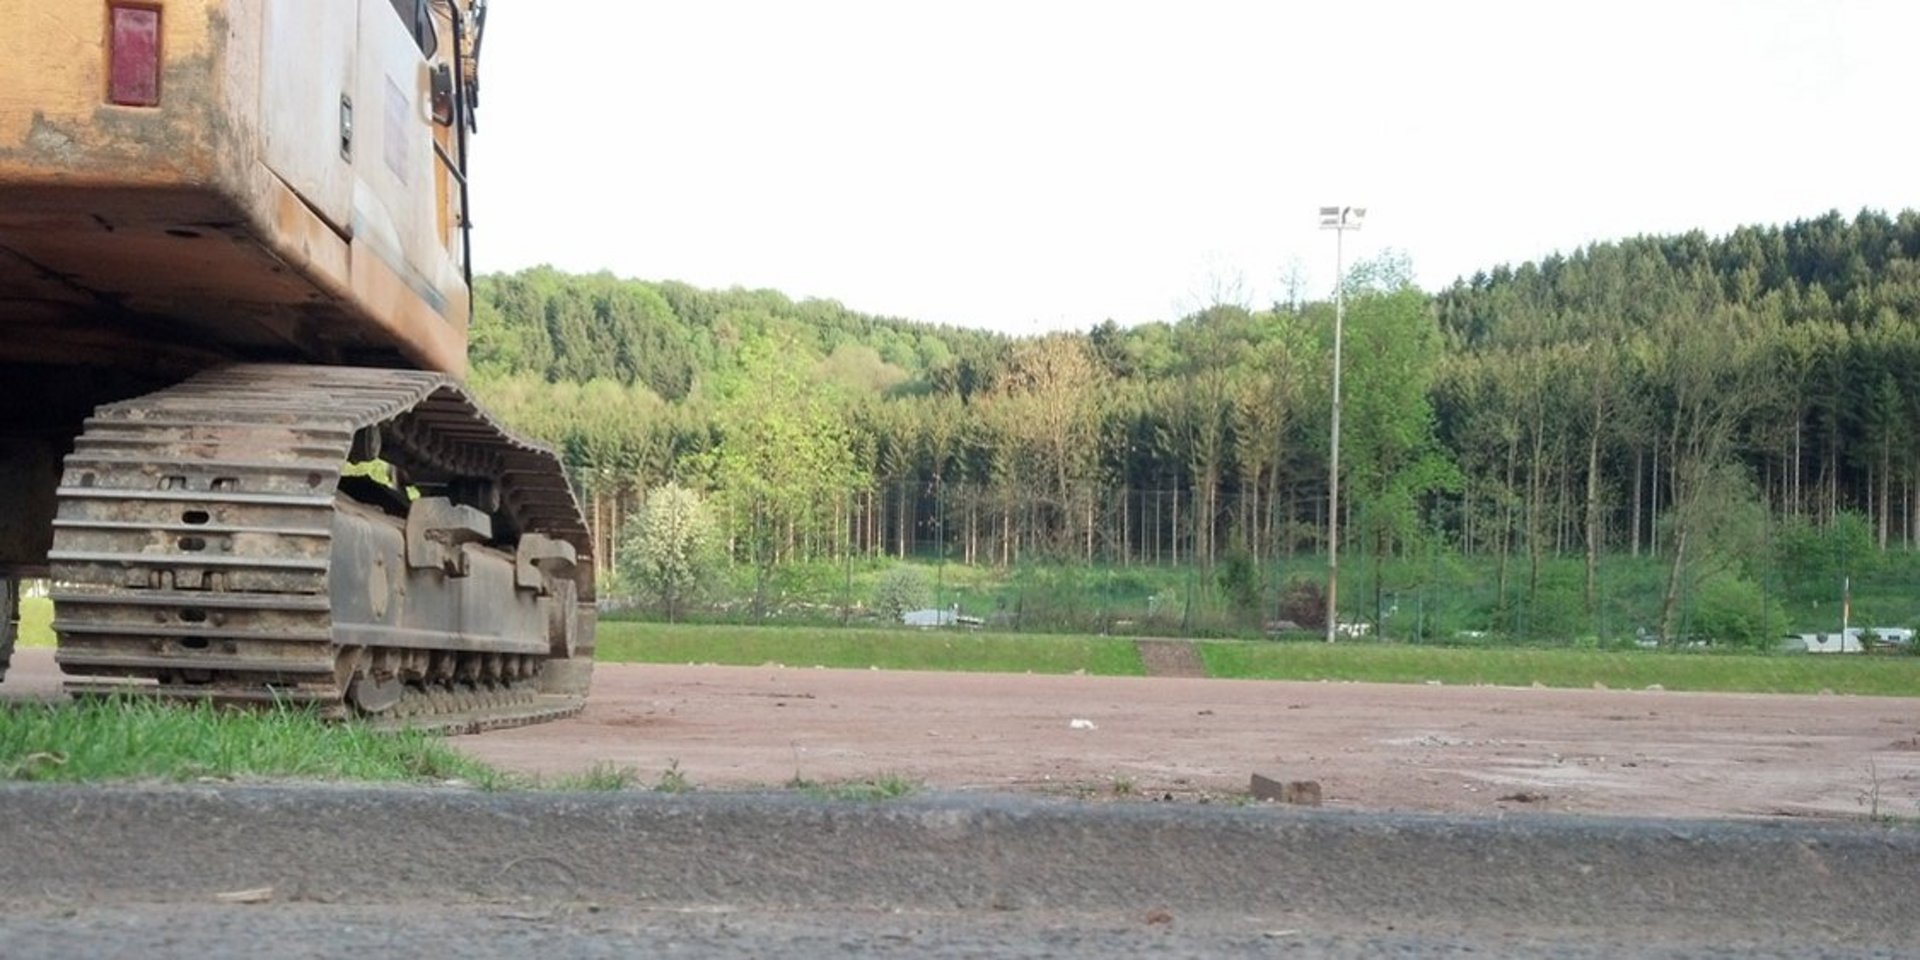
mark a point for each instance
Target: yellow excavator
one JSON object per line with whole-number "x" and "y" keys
{"x": 235, "y": 285}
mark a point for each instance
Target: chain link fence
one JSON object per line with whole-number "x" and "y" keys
{"x": 1138, "y": 564}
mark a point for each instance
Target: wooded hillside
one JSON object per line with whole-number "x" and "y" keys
{"x": 1652, "y": 395}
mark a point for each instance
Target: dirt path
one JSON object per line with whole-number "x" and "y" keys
{"x": 1170, "y": 658}
{"x": 1376, "y": 747}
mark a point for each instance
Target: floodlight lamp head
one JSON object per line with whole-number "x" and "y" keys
{"x": 1342, "y": 218}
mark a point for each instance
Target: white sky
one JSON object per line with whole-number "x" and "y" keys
{"x": 1039, "y": 165}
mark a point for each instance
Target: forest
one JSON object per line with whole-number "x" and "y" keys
{"x": 1693, "y": 402}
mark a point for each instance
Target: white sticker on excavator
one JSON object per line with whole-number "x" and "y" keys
{"x": 398, "y": 131}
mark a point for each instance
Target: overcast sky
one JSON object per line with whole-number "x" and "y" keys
{"x": 1040, "y": 165}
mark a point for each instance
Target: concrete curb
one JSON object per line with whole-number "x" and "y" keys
{"x": 781, "y": 851}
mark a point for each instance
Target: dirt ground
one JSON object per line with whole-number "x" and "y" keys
{"x": 1480, "y": 750}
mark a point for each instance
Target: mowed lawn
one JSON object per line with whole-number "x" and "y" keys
{"x": 36, "y": 622}
{"x": 1897, "y": 676}
{"x": 621, "y": 641}
{"x": 906, "y": 649}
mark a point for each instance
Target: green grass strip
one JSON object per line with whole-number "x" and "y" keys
{"x": 118, "y": 739}
{"x": 859, "y": 649}
{"x": 36, "y": 622}
{"x": 1868, "y": 675}
{"x": 638, "y": 642}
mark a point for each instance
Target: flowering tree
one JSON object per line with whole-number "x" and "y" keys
{"x": 669, "y": 552}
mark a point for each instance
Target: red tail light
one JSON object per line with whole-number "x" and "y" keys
{"x": 134, "y": 56}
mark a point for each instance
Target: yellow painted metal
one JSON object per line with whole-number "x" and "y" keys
{"x": 54, "y": 119}
{"x": 230, "y": 209}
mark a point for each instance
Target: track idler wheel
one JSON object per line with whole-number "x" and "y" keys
{"x": 370, "y": 695}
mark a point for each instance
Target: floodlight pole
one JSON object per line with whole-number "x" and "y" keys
{"x": 1339, "y": 220}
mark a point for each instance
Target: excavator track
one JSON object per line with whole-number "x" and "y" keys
{"x": 208, "y": 546}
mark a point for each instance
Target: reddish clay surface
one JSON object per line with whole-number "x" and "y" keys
{"x": 1374, "y": 747}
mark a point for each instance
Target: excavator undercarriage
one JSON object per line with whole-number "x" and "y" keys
{"x": 235, "y": 297}
{"x": 212, "y": 542}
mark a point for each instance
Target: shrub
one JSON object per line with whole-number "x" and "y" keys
{"x": 1728, "y": 610}
{"x": 1305, "y": 603}
{"x": 1813, "y": 558}
{"x": 900, "y": 589}
{"x": 1556, "y": 610}
{"x": 1239, "y": 579}
{"x": 670, "y": 555}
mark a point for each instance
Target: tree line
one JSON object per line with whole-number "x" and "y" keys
{"x": 1658, "y": 395}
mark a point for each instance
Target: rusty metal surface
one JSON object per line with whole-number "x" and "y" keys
{"x": 201, "y": 544}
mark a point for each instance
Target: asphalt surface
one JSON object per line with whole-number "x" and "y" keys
{"x": 450, "y": 872}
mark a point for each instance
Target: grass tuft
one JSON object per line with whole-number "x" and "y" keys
{"x": 604, "y": 777}
{"x": 890, "y": 786}
{"x": 136, "y": 739}
{"x": 672, "y": 779}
